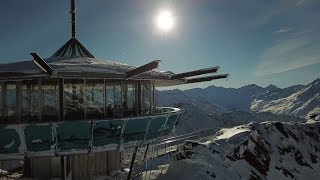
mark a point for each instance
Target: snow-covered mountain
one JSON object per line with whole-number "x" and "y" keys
{"x": 203, "y": 115}
{"x": 270, "y": 150}
{"x": 298, "y": 100}
{"x": 261, "y": 133}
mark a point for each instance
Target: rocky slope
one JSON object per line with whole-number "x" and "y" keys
{"x": 269, "y": 150}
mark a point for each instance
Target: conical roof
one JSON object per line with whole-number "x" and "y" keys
{"x": 71, "y": 49}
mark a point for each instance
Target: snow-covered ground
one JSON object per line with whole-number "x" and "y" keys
{"x": 268, "y": 150}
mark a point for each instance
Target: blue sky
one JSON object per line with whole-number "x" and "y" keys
{"x": 262, "y": 42}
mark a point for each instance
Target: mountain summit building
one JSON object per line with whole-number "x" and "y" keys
{"x": 71, "y": 115}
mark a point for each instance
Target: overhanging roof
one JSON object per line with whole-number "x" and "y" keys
{"x": 83, "y": 67}
{"x": 76, "y": 67}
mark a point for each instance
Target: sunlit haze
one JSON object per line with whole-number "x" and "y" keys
{"x": 165, "y": 21}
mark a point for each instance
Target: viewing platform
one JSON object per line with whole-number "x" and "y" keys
{"x": 85, "y": 136}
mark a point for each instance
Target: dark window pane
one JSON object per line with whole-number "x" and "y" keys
{"x": 74, "y": 100}
{"x": 11, "y": 102}
{"x": 128, "y": 99}
{"x": 29, "y": 101}
{"x": 110, "y": 100}
{"x": 145, "y": 98}
{"x": 50, "y": 100}
{"x": 94, "y": 100}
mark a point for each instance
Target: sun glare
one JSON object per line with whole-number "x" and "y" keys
{"x": 165, "y": 21}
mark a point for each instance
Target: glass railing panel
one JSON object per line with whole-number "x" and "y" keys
{"x": 106, "y": 132}
{"x": 170, "y": 123}
{"x": 73, "y": 135}
{"x": 136, "y": 129}
{"x": 9, "y": 140}
{"x": 156, "y": 126}
{"x": 39, "y": 137}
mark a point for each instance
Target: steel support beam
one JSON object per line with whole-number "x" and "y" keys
{"x": 40, "y": 100}
{"x": 142, "y": 69}
{"x": 195, "y": 73}
{"x": 207, "y": 78}
{"x": 132, "y": 162}
{"x": 41, "y": 64}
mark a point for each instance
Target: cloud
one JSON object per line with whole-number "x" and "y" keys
{"x": 275, "y": 10}
{"x": 287, "y": 55}
{"x": 271, "y": 11}
{"x": 283, "y": 30}
{"x": 300, "y": 2}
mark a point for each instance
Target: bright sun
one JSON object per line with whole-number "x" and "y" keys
{"x": 165, "y": 21}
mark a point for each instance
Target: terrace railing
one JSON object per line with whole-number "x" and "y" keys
{"x": 80, "y": 137}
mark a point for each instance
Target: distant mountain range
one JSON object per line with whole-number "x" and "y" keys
{"x": 296, "y": 100}
{"x": 217, "y": 107}
{"x": 259, "y": 133}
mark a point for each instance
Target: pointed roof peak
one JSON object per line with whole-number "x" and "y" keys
{"x": 72, "y": 48}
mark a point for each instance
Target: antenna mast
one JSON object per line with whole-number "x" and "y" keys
{"x": 73, "y": 18}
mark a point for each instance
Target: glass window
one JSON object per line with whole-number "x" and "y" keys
{"x": 11, "y": 102}
{"x": 113, "y": 99}
{"x": 74, "y": 99}
{"x": 128, "y": 99}
{"x": 110, "y": 100}
{"x": 94, "y": 99}
{"x": 50, "y": 100}
{"x": 117, "y": 95}
{"x": 145, "y": 98}
{"x": 29, "y": 101}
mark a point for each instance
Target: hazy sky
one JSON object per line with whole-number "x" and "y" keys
{"x": 255, "y": 41}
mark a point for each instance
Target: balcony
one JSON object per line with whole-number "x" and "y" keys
{"x": 80, "y": 137}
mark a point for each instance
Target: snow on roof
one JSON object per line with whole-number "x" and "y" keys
{"x": 81, "y": 67}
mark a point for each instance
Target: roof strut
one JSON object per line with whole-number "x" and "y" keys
{"x": 41, "y": 64}
{"x": 207, "y": 78}
{"x": 143, "y": 68}
{"x": 196, "y": 72}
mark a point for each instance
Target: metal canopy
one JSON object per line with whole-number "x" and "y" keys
{"x": 196, "y": 72}
{"x": 143, "y": 68}
{"x": 207, "y": 78}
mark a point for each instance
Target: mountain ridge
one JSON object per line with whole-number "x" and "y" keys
{"x": 253, "y": 98}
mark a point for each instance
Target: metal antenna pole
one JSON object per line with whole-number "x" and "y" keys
{"x": 73, "y": 18}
